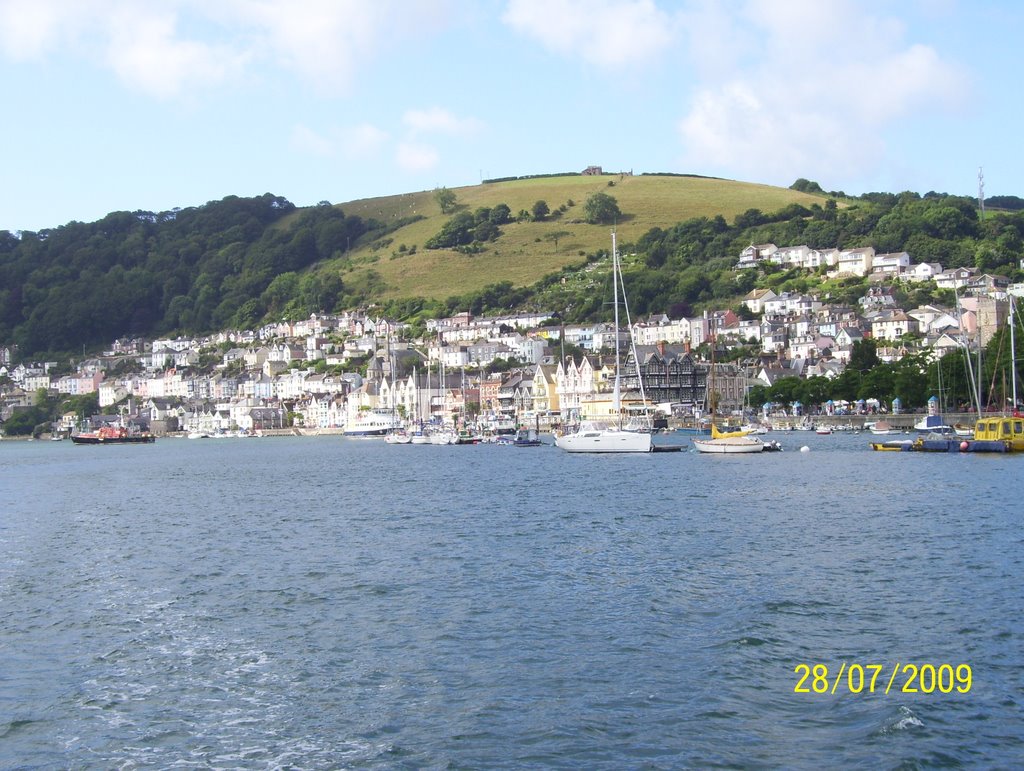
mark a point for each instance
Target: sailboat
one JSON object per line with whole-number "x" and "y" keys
{"x": 397, "y": 433}
{"x": 730, "y": 442}
{"x": 1005, "y": 429}
{"x": 591, "y": 437}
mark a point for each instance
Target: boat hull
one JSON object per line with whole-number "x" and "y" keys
{"x": 142, "y": 439}
{"x": 739, "y": 445}
{"x": 605, "y": 441}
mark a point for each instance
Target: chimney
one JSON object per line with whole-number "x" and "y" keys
{"x": 661, "y": 348}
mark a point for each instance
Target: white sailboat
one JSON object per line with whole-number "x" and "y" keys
{"x": 595, "y": 438}
{"x": 724, "y": 443}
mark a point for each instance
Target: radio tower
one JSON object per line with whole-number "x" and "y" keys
{"x": 981, "y": 193}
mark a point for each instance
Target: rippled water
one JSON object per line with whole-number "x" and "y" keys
{"x": 324, "y": 602}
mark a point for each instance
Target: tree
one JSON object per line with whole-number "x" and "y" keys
{"x": 864, "y": 356}
{"x": 749, "y": 219}
{"x": 445, "y": 199}
{"x": 806, "y": 186}
{"x": 540, "y": 211}
{"x": 555, "y": 236}
{"x": 601, "y": 209}
{"x": 457, "y": 231}
{"x": 501, "y": 214}
{"x": 486, "y": 231}
{"x": 23, "y": 423}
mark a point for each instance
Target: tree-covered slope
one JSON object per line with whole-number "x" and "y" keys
{"x": 240, "y": 261}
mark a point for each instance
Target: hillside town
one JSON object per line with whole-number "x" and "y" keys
{"x": 325, "y": 372}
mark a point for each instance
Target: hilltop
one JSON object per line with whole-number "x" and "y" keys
{"x": 526, "y": 251}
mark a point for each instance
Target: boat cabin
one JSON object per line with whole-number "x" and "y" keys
{"x": 1009, "y": 429}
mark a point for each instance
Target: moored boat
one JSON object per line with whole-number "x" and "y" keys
{"x": 996, "y": 434}
{"x": 373, "y": 422}
{"x": 880, "y": 427}
{"x": 893, "y": 445}
{"x": 728, "y": 445}
{"x": 591, "y": 436}
{"x": 112, "y": 435}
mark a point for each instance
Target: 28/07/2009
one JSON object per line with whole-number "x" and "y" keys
{"x": 863, "y": 678}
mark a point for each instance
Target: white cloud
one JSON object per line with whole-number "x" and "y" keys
{"x": 326, "y": 42}
{"x": 322, "y": 41}
{"x": 439, "y": 120}
{"x": 416, "y": 157}
{"x": 816, "y": 94}
{"x": 167, "y": 47}
{"x": 147, "y": 53}
{"x": 607, "y": 33}
{"x": 28, "y": 30}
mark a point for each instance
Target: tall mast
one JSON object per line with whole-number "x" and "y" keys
{"x": 981, "y": 194}
{"x": 615, "y": 300}
{"x": 975, "y": 384}
{"x": 1013, "y": 355}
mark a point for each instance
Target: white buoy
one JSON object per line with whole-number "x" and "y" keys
{"x": 805, "y": 448}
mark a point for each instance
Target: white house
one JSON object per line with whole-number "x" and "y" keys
{"x": 670, "y": 331}
{"x": 756, "y": 298}
{"x": 892, "y": 326}
{"x": 575, "y": 383}
{"x": 580, "y": 335}
{"x": 922, "y": 271}
{"x": 891, "y": 264}
{"x": 955, "y": 278}
{"x": 932, "y": 320}
{"x": 754, "y": 254}
{"x": 854, "y": 262}
{"x": 792, "y": 256}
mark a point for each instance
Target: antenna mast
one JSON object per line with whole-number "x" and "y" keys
{"x": 981, "y": 192}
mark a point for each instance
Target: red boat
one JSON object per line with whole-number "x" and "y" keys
{"x": 112, "y": 435}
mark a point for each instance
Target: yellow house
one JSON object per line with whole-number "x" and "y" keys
{"x": 545, "y": 389}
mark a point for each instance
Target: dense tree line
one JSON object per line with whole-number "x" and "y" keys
{"x": 227, "y": 263}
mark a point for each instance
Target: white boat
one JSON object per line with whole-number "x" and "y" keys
{"x": 375, "y": 422}
{"x": 594, "y": 438}
{"x": 591, "y": 437}
{"x": 443, "y": 436}
{"x": 729, "y": 445}
{"x": 933, "y": 424}
{"x": 399, "y": 436}
{"x": 499, "y": 425}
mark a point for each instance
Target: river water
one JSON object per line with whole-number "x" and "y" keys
{"x": 333, "y": 603}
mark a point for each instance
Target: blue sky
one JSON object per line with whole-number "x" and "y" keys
{"x": 154, "y": 104}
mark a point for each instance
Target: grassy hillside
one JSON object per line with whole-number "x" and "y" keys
{"x": 523, "y": 254}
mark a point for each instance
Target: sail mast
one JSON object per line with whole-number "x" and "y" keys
{"x": 1013, "y": 355}
{"x": 615, "y": 300}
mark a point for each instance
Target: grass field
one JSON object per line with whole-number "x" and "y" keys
{"x": 525, "y": 251}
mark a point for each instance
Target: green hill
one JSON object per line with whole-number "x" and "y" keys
{"x": 238, "y": 262}
{"x": 525, "y": 251}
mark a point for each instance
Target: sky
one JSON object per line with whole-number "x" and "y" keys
{"x": 125, "y": 105}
